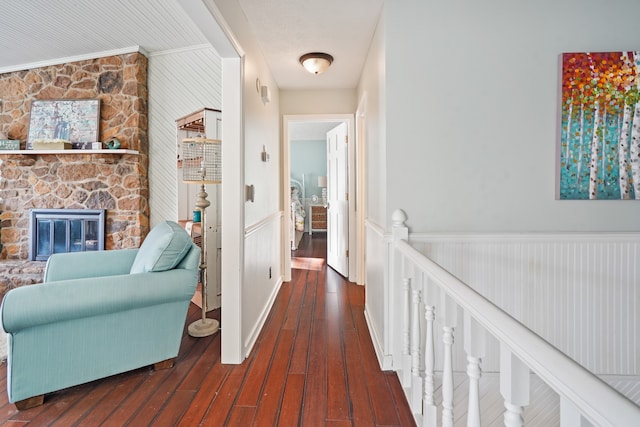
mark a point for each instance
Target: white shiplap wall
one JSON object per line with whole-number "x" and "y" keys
{"x": 180, "y": 82}
{"x": 578, "y": 291}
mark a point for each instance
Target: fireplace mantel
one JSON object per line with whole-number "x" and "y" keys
{"x": 79, "y": 152}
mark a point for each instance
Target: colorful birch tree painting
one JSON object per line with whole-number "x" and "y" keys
{"x": 600, "y": 141}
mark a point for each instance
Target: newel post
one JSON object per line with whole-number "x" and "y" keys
{"x": 401, "y": 289}
{"x": 400, "y": 229}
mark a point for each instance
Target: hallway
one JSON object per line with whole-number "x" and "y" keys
{"x": 313, "y": 365}
{"x": 332, "y": 363}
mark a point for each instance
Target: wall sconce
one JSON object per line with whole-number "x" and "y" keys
{"x": 264, "y": 154}
{"x": 263, "y": 91}
{"x": 316, "y": 62}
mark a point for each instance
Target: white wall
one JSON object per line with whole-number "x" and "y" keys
{"x": 336, "y": 101}
{"x": 262, "y": 217}
{"x": 461, "y": 105}
{"x": 308, "y": 159}
{"x": 472, "y": 95}
{"x": 371, "y": 110}
{"x": 180, "y": 82}
{"x": 371, "y": 97}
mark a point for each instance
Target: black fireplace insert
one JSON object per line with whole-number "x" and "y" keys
{"x": 65, "y": 230}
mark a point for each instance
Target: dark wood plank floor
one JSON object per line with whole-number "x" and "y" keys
{"x": 313, "y": 365}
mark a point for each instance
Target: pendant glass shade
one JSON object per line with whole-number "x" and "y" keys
{"x": 316, "y": 62}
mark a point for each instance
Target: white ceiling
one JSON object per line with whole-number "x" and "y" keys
{"x": 287, "y": 29}
{"x": 45, "y": 32}
{"x": 35, "y": 32}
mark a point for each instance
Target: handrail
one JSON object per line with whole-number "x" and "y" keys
{"x": 595, "y": 399}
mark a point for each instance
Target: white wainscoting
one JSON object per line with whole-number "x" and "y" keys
{"x": 580, "y": 292}
{"x": 377, "y": 303}
{"x": 262, "y": 252}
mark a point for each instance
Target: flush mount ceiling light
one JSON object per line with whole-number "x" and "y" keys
{"x": 316, "y": 62}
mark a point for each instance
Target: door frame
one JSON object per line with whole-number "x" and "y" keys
{"x": 208, "y": 18}
{"x": 354, "y": 247}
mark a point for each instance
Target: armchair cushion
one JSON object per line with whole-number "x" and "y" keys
{"x": 163, "y": 249}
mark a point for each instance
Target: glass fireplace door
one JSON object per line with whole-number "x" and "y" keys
{"x": 59, "y": 231}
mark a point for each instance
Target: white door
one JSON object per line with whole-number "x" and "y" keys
{"x": 337, "y": 194}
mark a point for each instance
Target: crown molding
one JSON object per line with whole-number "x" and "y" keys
{"x": 75, "y": 58}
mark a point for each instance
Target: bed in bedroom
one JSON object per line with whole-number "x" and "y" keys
{"x": 297, "y": 213}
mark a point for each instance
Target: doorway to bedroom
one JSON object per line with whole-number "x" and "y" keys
{"x": 318, "y": 181}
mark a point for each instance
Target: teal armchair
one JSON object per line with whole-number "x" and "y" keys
{"x": 98, "y": 314}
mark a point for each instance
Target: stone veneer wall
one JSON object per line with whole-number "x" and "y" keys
{"x": 115, "y": 182}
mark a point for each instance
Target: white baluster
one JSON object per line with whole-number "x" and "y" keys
{"x": 416, "y": 297}
{"x": 474, "y": 345}
{"x": 406, "y": 288}
{"x": 416, "y": 380}
{"x": 405, "y": 375}
{"x": 514, "y": 387}
{"x": 447, "y": 377}
{"x": 473, "y": 410}
{"x": 513, "y": 415}
{"x": 429, "y": 409}
{"x": 449, "y": 313}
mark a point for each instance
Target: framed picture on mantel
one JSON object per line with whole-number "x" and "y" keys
{"x": 70, "y": 120}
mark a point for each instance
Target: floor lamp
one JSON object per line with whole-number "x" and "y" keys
{"x": 202, "y": 164}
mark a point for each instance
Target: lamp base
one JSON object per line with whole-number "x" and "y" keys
{"x": 203, "y": 327}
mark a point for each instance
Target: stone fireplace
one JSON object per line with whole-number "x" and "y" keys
{"x": 116, "y": 183}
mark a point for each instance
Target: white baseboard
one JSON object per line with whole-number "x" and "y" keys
{"x": 385, "y": 360}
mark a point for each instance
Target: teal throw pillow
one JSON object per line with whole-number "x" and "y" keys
{"x": 163, "y": 249}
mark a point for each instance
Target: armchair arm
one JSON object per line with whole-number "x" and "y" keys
{"x": 34, "y": 305}
{"x": 79, "y": 265}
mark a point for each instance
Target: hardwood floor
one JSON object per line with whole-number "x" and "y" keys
{"x": 313, "y": 365}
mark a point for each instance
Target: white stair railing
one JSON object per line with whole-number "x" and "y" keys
{"x": 429, "y": 292}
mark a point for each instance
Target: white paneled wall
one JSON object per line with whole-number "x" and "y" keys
{"x": 262, "y": 276}
{"x": 377, "y": 302}
{"x": 578, "y": 291}
{"x": 180, "y": 82}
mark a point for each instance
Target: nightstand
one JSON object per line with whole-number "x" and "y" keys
{"x": 318, "y": 217}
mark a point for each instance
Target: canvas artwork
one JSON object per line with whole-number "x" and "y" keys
{"x": 599, "y": 151}
{"x": 72, "y": 120}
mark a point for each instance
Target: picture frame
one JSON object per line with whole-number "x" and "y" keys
{"x": 600, "y": 105}
{"x": 71, "y": 120}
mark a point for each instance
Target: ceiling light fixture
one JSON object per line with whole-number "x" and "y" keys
{"x": 316, "y": 62}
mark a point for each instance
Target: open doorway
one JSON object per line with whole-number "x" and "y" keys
{"x": 305, "y": 171}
